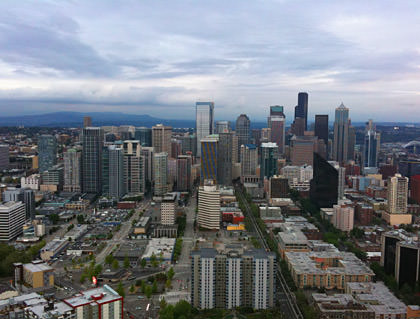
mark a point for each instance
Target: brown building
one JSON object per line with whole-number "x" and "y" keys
{"x": 302, "y": 150}
{"x": 36, "y": 274}
{"x": 415, "y": 188}
{"x": 363, "y": 214}
{"x": 278, "y": 187}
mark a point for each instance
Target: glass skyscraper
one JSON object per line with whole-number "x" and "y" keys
{"x": 301, "y": 110}
{"x": 144, "y": 135}
{"x": 341, "y": 134}
{"x": 93, "y": 141}
{"x": 47, "y": 152}
{"x": 371, "y": 146}
{"x": 209, "y": 158}
{"x": 204, "y": 121}
{"x": 268, "y": 162}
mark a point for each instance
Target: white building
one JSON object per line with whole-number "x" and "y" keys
{"x": 31, "y": 182}
{"x": 343, "y": 217}
{"x": 209, "y": 206}
{"x": 204, "y": 122}
{"x": 167, "y": 209}
{"x": 12, "y": 219}
{"x": 298, "y": 176}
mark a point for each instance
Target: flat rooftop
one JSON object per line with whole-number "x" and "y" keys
{"x": 98, "y": 295}
{"x": 38, "y": 267}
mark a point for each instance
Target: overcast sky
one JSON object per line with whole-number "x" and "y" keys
{"x": 160, "y": 57}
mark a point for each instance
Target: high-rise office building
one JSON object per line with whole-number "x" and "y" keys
{"x": 298, "y": 126}
{"x": 249, "y": 162}
{"x": 189, "y": 144}
{"x": 324, "y": 184}
{"x": 243, "y": 130}
{"x": 224, "y": 160}
{"x": 222, "y": 127}
{"x": 116, "y": 172}
{"x": 93, "y": 141}
{"x": 397, "y": 194}
{"x": 184, "y": 178}
{"x": 4, "y": 157}
{"x": 133, "y": 168}
{"x": 321, "y": 128}
{"x": 371, "y": 145}
{"x": 105, "y": 171}
{"x": 278, "y": 187}
{"x": 204, "y": 122}
{"x": 47, "y": 152}
{"x": 161, "y": 138}
{"x": 144, "y": 135}
{"x": 341, "y": 134}
{"x": 147, "y": 154}
{"x": 351, "y": 142}
{"x": 208, "y": 215}
{"x": 302, "y": 149}
{"x": 268, "y": 162}
{"x": 160, "y": 173}
{"x": 277, "y": 124}
{"x": 12, "y": 219}
{"x": 24, "y": 195}
{"x": 209, "y": 157}
{"x": 233, "y": 279}
{"x": 167, "y": 209}
{"x": 301, "y": 110}
{"x": 72, "y": 170}
{"x": 256, "y": 137}
{"x": 87, "y": 121}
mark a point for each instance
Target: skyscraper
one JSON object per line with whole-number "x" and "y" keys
{"x": 321, "y": 128}
{"x": 87, "y": 121}
{"x": 93, "y": 141}
{"x": 324, "y": 184}
{"x": 116, "y": 172}
{"x": 249, "y": 162}
{"x": 184, "y": 181}
{"x": 209, "y": 157}
{"x": 208, "y": 215}
{"x": 72, "y": 170}
{"x": 371, "y": 145}
{"x": 4, "y": 157}
{"x": 147, "y": 154}
{"x": 277, "y": 124}
{"x": 242, "y": 130}
{"x": 268, "y": 162}
{"x": 160, "y": 172}
{"x": 301, "y": 110}
{"x": 224, "y": 161}
{"x": 144, "y": 135}
{"x": 161, "y": 138}
{"x": 47, "y": 152}
{"x": 341, "y": 134}
{"x": 133, "y": 168}
{"x": 397, "y": 194}
{"x": 204, "y": 122}
{"x": 12, "y": 219}
{"x": 222, "y": 127}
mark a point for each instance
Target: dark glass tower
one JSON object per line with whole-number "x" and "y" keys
{"x": 144, "y": 135}
{"x": 321, "y": 127}
{"x": 324, "y": 185}
{"x": 301, "y": 110}
{"x": 93, "y": 141}
{"x": 224, "y": 161}
{"x": 47, "y": 152}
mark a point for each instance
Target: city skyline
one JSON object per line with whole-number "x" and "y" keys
{"x": 244, "y": 56}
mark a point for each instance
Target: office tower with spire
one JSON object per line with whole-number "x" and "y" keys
{"x": 301, "y": 110}
{"x": 204, "y": 122}
{"x": 93, "y": 141}
{"x": 161, "y": 138}
{"x": 72, "y": 170}
{"x": 47, "y": 152}
{"x": 371, "y": 146}
{"x": 277, "y": 124}
{"x": 341, "y": 134}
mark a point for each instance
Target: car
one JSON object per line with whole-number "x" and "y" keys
{"x": 138, "y": 308}
{"x": 140, "y": 297}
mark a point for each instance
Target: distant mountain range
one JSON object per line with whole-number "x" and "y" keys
{"x": 75, "y": 119}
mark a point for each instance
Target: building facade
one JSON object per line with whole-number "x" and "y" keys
{"x": 93, "y": 141}
{"x": 161, "y": 138}
{"x": 160, "y": 173}
{"x": 72, "y": 171}
{"x": 341, "y": 134}
{"x": 208, "y": 215}
{"x": 204, "y": 122}
{"x": 47, "y": 152}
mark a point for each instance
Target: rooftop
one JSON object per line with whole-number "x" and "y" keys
{"x": 98, "y": 296}
{"x": 38, "y": 267}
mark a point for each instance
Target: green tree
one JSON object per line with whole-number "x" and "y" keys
{"x": 148, "y": 291}
{"x": 167, "y": 312}
{"x": 120, "y": 289}
{"x": 171, "y": 273}
{"x": 143, "y": 263}
{"x": 154, "y": 286}
{"x": 132, "y": 288}
{"x": 126, "y": 262}
{"x": 109, "y": 259}
{"x": 182, "y": 308}
{"x": 115, "y": 264}
{"x": 168, "y": 284}
{"x": 153, "y": 260}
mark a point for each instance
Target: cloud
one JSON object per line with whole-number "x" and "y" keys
{"x": 161, "y": 56}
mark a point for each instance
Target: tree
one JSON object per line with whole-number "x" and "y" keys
{"x": 126, "y": 262}
{"x": 171, "y": 273}
{"x": 167, "y": 312}
{"x": 132, "y": 288}
{"x": 168, "y": 284}
{"x": 154, "y": 286}
{"x": 115, "y": 264}
{"x": 120, "y": 289}
{"x": 148, "y": 291}
{"x": 143, "y": 262}
{"x": 182, "y": 308}
{"x": 98, "y": 269}
{"x": 109, "y": 259}
{"x": 153, "y": 260}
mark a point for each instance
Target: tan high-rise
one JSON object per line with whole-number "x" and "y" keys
{"x": 161, "y": 138}
{"x": 397, "y": 194}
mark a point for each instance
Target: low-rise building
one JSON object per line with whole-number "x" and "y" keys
{"x": 36, "y": 274}
{"x": 329, "y": 270}
{"x": 341, "y": 306}
{"x": 142, "y": 226}
{"x": 160, "y": 247}
{"x": 53, "y": 249}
